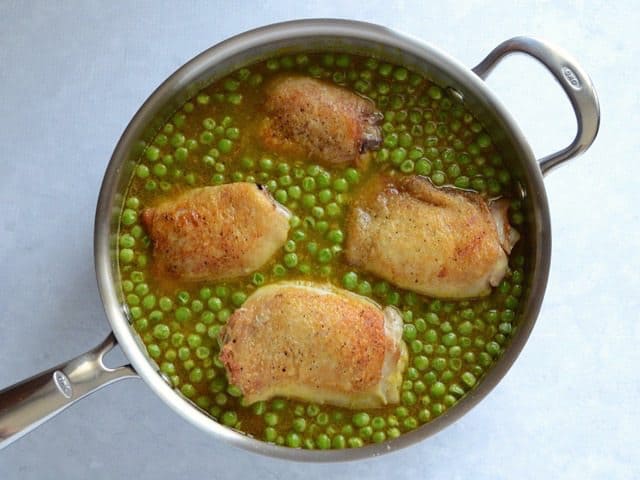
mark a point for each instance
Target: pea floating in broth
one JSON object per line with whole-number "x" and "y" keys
{"x": 216, "y": 139}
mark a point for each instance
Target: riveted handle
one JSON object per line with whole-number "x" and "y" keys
{"x": 572, "y": 78}
{"x": 26, "y": 405}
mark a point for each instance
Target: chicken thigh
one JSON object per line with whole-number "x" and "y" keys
{"x": 440, "y": 242}
{"x": 327, "y": 123}
{"x": 213, "y": 233}
{"x": 315, "y": 343}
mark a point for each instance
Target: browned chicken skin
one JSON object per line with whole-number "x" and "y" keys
{"x": 440, "y": 242}
{"x": 311, "y": 117}
{"x": 213, "y": 233}
{"x": 315, "y": 343}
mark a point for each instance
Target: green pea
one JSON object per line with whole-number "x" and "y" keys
{"x": 279, "y": 270}
{"x": 161, "y": 331}
{"x": 407, "y": 166}
{"x": 318, "y": 212}
{"x": 165, "y": 303}
{"x": 218, "y": 384}
{"x": 266, "y": 164}
{"x": 364, "y": 288}
{"x": 257, "y": 279}
{"x": 232, "y": 133}
{"x": 196, "y": 375}
{"x": 215, "y": 304}
{"x": 194, "y": 340}
{"x": 299, "y": 425}
{"x": 423, "y": 167}
{"x": 340, "y": 185}
{"x": 409, "y": 331}
{"x": 393, "y": 432}
{"x": 137, "y": 232}
{"x": 294, "y": 192}
{"x": 435, "y": 92}
{"x": 126, "y": 255}
{"x": 129, "y": 217}
{"x": 142, "y": 171}
{"x": 378, "y": 423}
{"x": 322, "y": 419}
{"x": 438, "y": 389}
{"x": 324, "y": 196}
{"x": 271, "y": 419}
{"x": 355, "y": 442}
{"x": 361, "y": 419}
{"x": 333, "y": 210}
{"x": 223, "y": 315}
{"x": 469, "y": 379}
{"x": 225, "y": 145}
{"x": 293, "y": 440}
{"x": 338, "y": 442}
{"x": 323, "y": 179}
{"x": 159, "y": 170}
{"x": 142, "y": 324}
{"x": 177, "y": 140}
{"x": 188, "y": 390}
{"x": 184, "y": 353}
{"x": 449, "y": 339}
{"x": 438, "y": 177}
{"x": 398, "y": 155}
{"x": 405, "y": 140}
{"x": 378, "y": 437}
{"x": 238, "y": 298}
{"x": 408, "y": 398}
{"x": 493, "y": 349}
{"x": 183, "y": 314}
{"x": 213, "y": 331}
{"x": 350, "y": 280}
{"x": 323, "y": 441}
{"x": 152, "y": 153}
{"x": 217, "y": 179}
{"x": 154, "y": 350}
{"x": 230, "y": 418}
{"x": 308, "y": 184}
{"x": 400, "y": 74}
{"x": 421, "y": 362}
{"x": 325, "y": 255}
{"x": 234, "y": 391}
{"x": 351, "y": 175}
{"x": 270, "y": 434}
{"x": 290, "y": 260}
{"x": 484, "y": 141}
{"x": 202, "y": 352}
{"x": 197, "y": 306}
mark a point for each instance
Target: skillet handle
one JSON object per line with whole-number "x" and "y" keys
{"x": 26, "y": 405}
{"x": 572, "y": 78}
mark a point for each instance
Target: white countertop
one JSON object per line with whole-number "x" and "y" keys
{"x": 73, "y": 73}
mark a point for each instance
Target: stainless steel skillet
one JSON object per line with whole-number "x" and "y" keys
{"x": 31, "y": 402}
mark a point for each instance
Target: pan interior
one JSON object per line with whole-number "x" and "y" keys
{"x": 309, "y": 37}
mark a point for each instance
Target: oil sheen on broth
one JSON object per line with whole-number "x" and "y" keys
{"x": 211, "y": 140}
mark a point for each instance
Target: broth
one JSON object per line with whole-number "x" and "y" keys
{"x": 211, "y": 141}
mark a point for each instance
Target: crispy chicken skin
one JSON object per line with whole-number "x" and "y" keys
{"x": 316, "y": 343}
{"x": 440, "y": 242}
{"x": 213, "y": 233}
{"x": 325, "y": 122}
